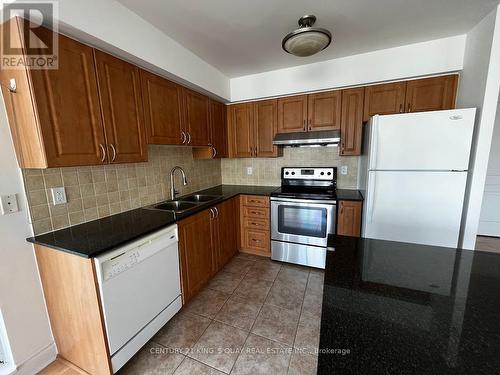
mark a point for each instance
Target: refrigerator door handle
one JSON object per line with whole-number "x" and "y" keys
{"x": 374, "y": 141}
{"x": 371, "y": 197}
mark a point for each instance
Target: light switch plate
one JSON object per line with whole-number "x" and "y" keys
{"x": 249, "y": 171}
{"x": 343, "y": 170}
{"x": 9, "y": 204}
{"x": 58, "y": 195}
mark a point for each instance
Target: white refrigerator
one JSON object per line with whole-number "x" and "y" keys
{"x": 413, "y": 173}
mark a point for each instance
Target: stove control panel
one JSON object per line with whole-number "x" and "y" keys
{"x": 325, "y": 174}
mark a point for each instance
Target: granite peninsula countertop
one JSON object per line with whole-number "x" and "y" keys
{"x": 399, "y": 308}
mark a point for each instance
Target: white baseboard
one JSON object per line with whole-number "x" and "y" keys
{"x": 37, "y": 362}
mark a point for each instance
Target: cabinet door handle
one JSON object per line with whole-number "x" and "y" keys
{"x": 189, "y": 137}
{"x": 409, "y": 107}
{"x": 114, "y": 152}
{"x": 12, "y": 85}
{"x": 214, "y": 152}
{"x": 401, "y": 108}
{"x": 103, "y": 152}
{"x": 183, "y": 136}
{"x": 212, "y": 213}
{"x": 216, "y": 212}
{"x": 304, "y": 125}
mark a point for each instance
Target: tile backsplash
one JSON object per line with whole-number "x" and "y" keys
{"x": 99, "y": 191}
{"x": 267, "y": 171}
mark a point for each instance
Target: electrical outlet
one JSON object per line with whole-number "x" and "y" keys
{"x": 343, "y": 170}
{"x": 58, "y": 195}
{"x": 249, "y": 171}
{"x": 9, "y": 204}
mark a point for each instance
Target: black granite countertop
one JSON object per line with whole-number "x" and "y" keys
{"x": 349, "y": 195}
{"x": 398, "y": 308}
{"x": 98, "y": 236}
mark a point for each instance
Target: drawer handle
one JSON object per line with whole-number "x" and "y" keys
{"x": 255, "y": 224}
{"x": 257, "y": 241}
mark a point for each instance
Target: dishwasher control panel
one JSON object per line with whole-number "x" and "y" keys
{"x": 121, "y": 263}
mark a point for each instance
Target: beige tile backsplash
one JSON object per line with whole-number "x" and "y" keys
{"x": 99, "y": 191}
{"x": 267, "y": 171}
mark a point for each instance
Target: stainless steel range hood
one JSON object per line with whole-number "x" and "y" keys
{"x": 326, "y": 137}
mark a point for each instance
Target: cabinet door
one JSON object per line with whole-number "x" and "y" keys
{"x": 349, "y": 218}
{"x": 218, "y": 129}
{"x": 352, "y": 121}
{"x": 162, "y": 109}
{"x": 323, "y": 111}
{"x": 384, "y": 99}
{"x": 431, "y": 94}
{"x": 68, "y": 106}
{"x": 292, "y": 114}
{"x": 122, "y": 111}
{"x": 196, "y": 120}
{"x": 228, "y": 231}
{"x": 196, "y": 253}
{"x": 241, "y": 134}
{"x": 266, "y": 126}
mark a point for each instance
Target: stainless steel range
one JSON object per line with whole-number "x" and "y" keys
{"x": 303, "y": 213}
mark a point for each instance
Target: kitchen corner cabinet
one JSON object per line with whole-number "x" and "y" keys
{"x": 196, "y": 118}
{"x": 218, "y": 147}
{"x": 66, "y": 117}
{"x": 349, "y": 218}
{"x": 251, "y": 128}
{"x": 207, "y": 241}
{"x": 162, "y": 109}
{"x": 351, "y": 126}
{"x": 122, "y": 109}
{"x": 420, "y": 95}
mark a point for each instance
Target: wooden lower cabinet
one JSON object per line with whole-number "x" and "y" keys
{"x": 349, "y": 218}
{"x": 207, "y": 241}
{"x": 255, "y": 231}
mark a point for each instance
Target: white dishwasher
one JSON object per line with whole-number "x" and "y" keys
{"x": 140, "y": 291}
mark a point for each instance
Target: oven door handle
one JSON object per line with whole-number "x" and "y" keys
{"x": 306, "y": 201}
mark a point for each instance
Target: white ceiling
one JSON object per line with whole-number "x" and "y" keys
{"x": 244, "y": 36}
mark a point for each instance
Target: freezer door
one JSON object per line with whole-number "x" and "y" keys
{"x": 438, "y": 140}
{"x": 417, "y": 207}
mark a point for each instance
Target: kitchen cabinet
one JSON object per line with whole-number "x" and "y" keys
{"x": 122, "y": 111}
{"x": 426, "y": 94}
{"x": 196, "y": 118}
{"x": 255, "y": 231}
{"x": 352, "y": 121}
{"x": 197, "y": 256}
{"x": 349, "y": 218}
{"x": 162, "y": 109}
{"x": 384, "y": 99}
{"x": 431, "y": 94}
{"x": 252, "y": 127}
{"x": 225, "y": 232}
{"x": 218, "y": 134}
{"x": 292, "y": 114}
{"x": 55, "y": 115}
{"x": 323, "y": 111}
{"x": 241, "y": 133}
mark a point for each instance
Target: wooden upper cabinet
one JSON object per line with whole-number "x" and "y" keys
{"x": 196, "y": 120}
{"x": 292, "y": 114}
{"x": 384, "y": 99}
{"x": 431, "y": 94}
{"x": 54, "y": 115}
{"x": 241, "y": 134}
{"x": 122, "y": 111}
{"x": 196, "y": 253}
{"x": 324, "y": 111}
{"x": 349, "y": 218}
{"x": 162, "y": 109}
{"x": 218, "y": 129}
{"x": 266, "y": 127}
{"x": 352, "y": 121}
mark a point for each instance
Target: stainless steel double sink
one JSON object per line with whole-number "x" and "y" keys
{"x": 184, "y": 204}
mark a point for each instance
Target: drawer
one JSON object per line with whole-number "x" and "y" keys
{"x": 257, "y": 240}
{"x": 256, "y": 212}
{"x": 253, "y": 223}
{"x": 255, "y": 201}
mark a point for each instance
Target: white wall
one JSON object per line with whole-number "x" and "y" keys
{"x": 21, "y": 299}
{"x": 479, "y": 87}
{"x": 432, "y": 57}
{"x": 489, "y": 222}
{"x": 114, "y": 28}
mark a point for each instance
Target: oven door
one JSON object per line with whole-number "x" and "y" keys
{"x": 300, "y": 221}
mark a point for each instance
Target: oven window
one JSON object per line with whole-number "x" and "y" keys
{"x": 302, "y": 221}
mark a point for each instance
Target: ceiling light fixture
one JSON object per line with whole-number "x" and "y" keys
{"x": 306, "y": 40}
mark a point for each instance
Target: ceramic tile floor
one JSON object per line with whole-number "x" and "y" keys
{"x": 245, "y": 321}
{"x": 488, "y": 244}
